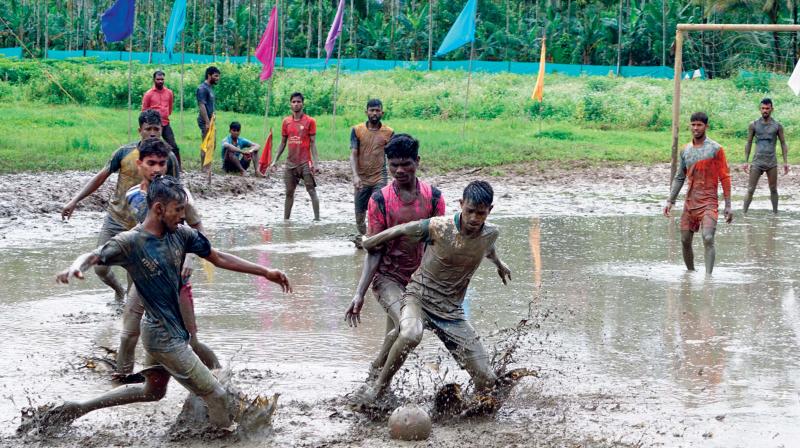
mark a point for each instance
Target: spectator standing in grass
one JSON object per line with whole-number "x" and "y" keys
{"x": 160, "y": 98}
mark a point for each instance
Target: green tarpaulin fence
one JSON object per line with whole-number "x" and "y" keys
{"x": 11, "y": 52}
{"x": 356, "y": 65}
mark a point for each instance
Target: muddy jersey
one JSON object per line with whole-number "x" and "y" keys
{"x": 369, "y": 145}
{"x": 124, "y": 162}
{"x": 298, "y": 135}
{"x": 705, "y": 167}
{"x": 137, "y": 205}
{"x": 401, "y": 256}
{"x": 766, "y": 137}
{"x": 155, "y": 266}
{"x": 448, "y": 263}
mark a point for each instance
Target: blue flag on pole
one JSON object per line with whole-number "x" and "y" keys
{"x": 463, "y": 29}
{"x": 175, "y": 26}
{"x": 117, "y": 21}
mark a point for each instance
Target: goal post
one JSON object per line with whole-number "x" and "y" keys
{"x": 682, "y": 31}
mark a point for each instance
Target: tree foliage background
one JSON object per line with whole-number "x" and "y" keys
{"x": 578, "y": 31}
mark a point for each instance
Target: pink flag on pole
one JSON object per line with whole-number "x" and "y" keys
{"x": 268, "y": 46}
{"x": 336, "y": 30}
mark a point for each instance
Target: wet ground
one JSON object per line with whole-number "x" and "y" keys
{"x": 631, "y": 349}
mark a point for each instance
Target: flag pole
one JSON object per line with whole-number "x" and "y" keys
{"x": 266, "y": 105}
{"x": 183, "y": 54}
{"x": 130, "y": 98}
{"x": 266, "y": 119}
{"x": 469, "y": 79}
{"x": 336, "y": 82}
{"x": 130, "y": 76}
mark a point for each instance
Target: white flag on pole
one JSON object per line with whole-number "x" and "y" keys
{"x": 794, "y": 80}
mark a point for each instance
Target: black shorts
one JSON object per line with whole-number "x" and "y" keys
{"x": 362, "y": 196}
{"x": 231, "y": 168}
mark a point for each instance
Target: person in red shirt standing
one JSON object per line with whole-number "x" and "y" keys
{"x": 161, "y": 99}
{"x": 299, "y": 131}
{"x": 703, "y": 163}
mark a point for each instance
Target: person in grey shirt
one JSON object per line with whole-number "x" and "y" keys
{"x": 766, "y": 131}
{"x": 205, "y": 103}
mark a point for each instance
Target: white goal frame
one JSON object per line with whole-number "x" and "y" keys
{"x": 683, "y": 30}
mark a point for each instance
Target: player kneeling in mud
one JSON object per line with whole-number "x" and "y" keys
{"x": 153, "y": 253}
{"x": 434, "y": 297}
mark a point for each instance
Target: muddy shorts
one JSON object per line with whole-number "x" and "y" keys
{"x": 362, "y": 195}
{"x": 387, "y": 291}
{"x": 109, "y": 230}
{"x": 458, "y": 336}
{"x": 176, "y": 356}
{"x": 693, "y": 220}
{"x": 293, "y": 176}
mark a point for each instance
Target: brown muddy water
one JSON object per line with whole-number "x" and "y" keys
{"x": 631, "y": 349}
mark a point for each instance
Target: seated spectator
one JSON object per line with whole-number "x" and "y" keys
{"x": 238, "y": 153}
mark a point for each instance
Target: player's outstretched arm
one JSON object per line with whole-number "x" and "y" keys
{"x": 412, "y": 229}
{"x": 502, "y": 269}
{"x": 90, "y": 187}
{"x": 78, "y": 267}
{"x": 233, "y": 263}
{"x": 353, "y": 314}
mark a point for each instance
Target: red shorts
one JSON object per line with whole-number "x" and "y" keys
{"x": 692, "y": 220}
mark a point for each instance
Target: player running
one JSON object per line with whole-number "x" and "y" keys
{"x": 389, "y": 270}
{"x": 434, "y": 297}
{"x": 153, "y": 254}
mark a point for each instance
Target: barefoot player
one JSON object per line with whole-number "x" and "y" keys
{"x": 434, "y": 297}
{"x": 153, "y": 253}
{"x": 389, "y": 270}
{"x": 703, "y": 163}
{"x": 767, "y": 131}
{"x": 152, "y": 163}
{"x": 299, "y": 132}
{"x": 368, "y": 161}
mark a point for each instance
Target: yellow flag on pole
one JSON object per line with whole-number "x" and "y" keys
{"x": 538, "y": 90}
{"x": 209, "y": 142}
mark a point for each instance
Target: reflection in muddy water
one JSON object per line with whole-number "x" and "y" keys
{"x": 668, "y": 356}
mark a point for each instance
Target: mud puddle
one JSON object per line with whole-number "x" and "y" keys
{"x": 631, "y": 350}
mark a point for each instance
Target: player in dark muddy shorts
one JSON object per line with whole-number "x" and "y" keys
{"x": 703, "y": 163}
{"x": 389, "y": 270}
{"x": 153, "y": 254}
{"x": 152, "y": 162}
{"x": 117, "y": 220}
{"x": 368, "y": 161}
{"x": 766, "y": 131}
{"x": 434, "y": 297}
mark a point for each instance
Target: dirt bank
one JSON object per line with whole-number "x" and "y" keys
{"x": 26, "y": 194}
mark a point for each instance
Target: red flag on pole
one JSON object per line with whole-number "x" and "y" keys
{"x": 268, "y": 46}
{"x": 266, "y": 155}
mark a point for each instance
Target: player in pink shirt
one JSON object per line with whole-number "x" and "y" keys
{"x": 405, "y": 200}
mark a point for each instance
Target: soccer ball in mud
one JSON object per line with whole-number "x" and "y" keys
{"x": 409, "y": 422}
